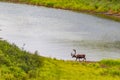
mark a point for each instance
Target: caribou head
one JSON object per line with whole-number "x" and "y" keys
{"x": 73, "y": 55}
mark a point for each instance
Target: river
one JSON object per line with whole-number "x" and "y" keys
{"x": 55, "y": 32}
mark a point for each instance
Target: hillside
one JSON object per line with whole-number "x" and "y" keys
{"x": 16, "y": 64}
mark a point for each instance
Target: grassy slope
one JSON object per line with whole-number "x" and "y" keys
{"x": 68, "y": 70}
{"x": 104, "y": 8}
{"x": 93, "y": 5}
{"x": 16, "y": 64}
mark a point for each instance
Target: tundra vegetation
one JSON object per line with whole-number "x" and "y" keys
{"x": 107, "y": 7}
{"x": 18, "y": 64}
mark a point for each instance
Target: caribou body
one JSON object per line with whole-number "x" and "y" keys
{"x": 78, "y": 56}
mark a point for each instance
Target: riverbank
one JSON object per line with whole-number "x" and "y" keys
{"x": 103, "y": 8}
{"x": 16, "y": 63}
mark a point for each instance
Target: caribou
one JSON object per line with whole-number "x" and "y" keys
{"x": 78, "y": 56}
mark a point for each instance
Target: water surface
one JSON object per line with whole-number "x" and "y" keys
{"x": 55, "y": 32}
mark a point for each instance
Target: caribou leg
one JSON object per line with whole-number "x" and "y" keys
{"x": 84, "y": 59}
{"x": 76, "y": 59}
{"x": 79, "y": 59}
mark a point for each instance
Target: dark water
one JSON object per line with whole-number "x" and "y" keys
{"x": 55, "y": 32}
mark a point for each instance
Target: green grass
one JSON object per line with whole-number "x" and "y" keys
{"x": 16, "y": 64}
{"x": 69, "y": 70}
{"x": 90, "y": 5}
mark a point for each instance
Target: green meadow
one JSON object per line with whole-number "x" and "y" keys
{"x": 18, "y": 64}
